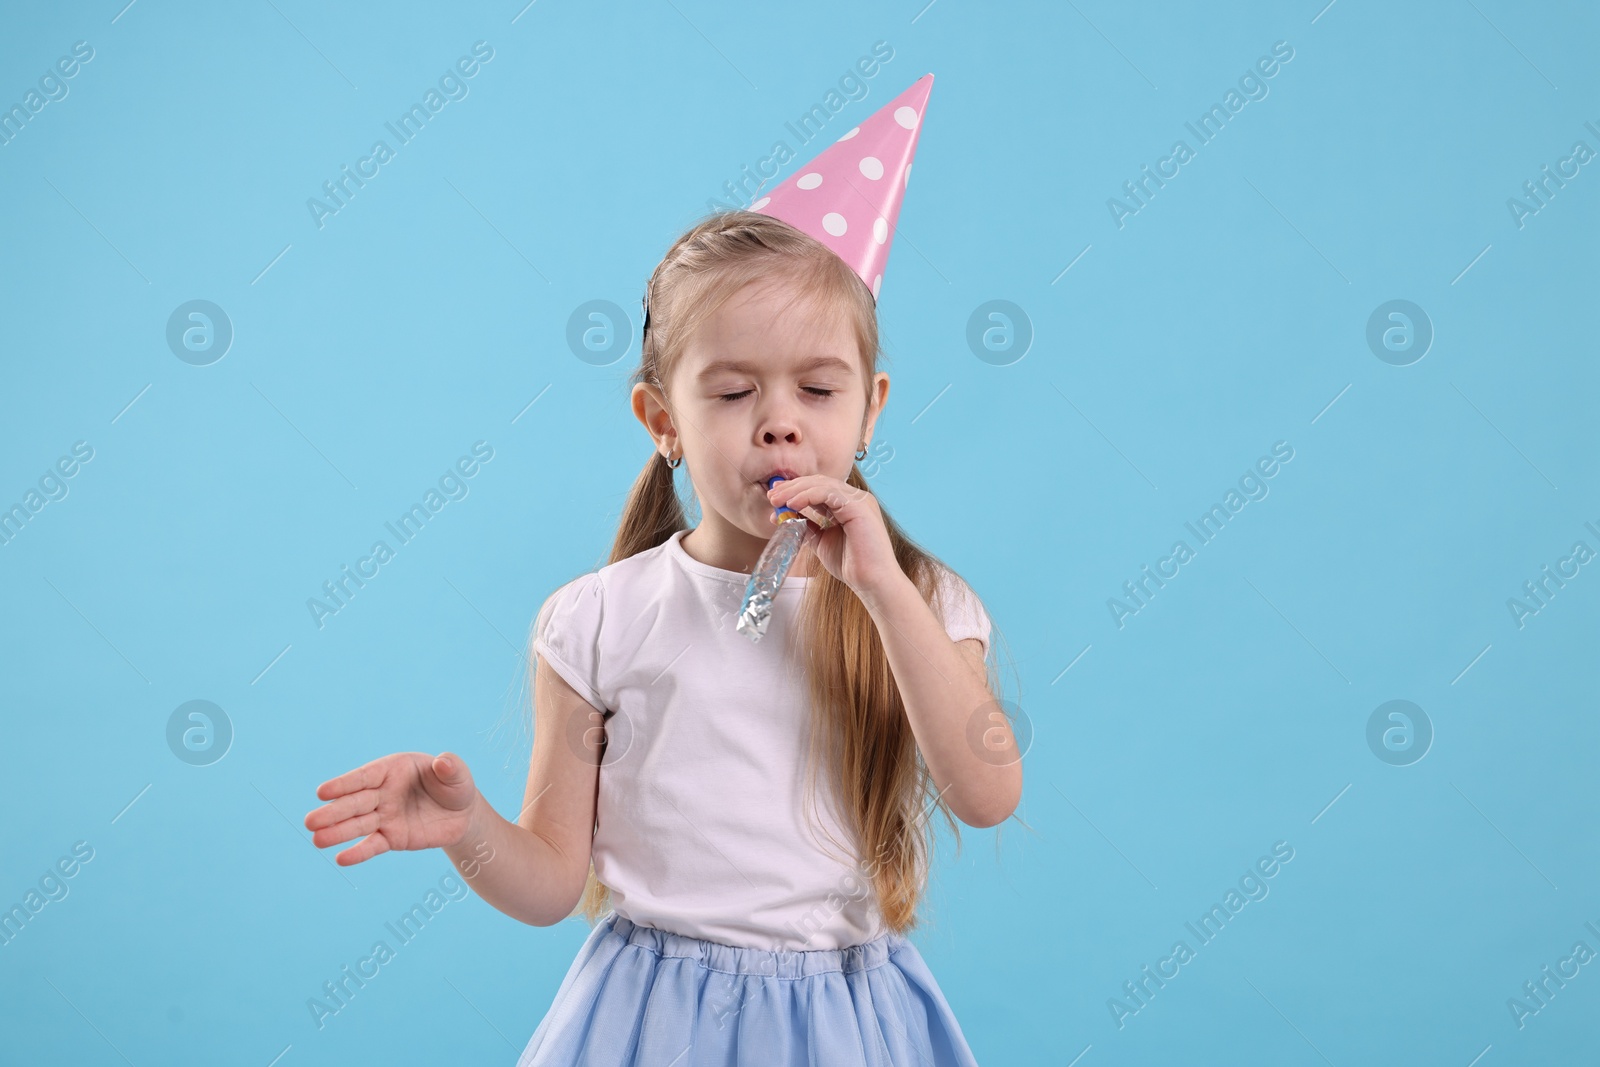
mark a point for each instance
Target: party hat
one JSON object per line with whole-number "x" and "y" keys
{"x": 849, "y": 196}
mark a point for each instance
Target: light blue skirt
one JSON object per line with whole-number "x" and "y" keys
{"x": 636, "y": 996}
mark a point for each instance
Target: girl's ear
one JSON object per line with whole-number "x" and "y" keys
{"x": 650, "y": 408}
{"x": 877, "y": 397}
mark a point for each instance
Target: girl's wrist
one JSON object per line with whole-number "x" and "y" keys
{"x": 884, "y": 594}
{"x": 477, "y": 824}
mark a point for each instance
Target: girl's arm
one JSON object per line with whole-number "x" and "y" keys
{"x": 535, "y": 869}
{"x": 961, "y": 730}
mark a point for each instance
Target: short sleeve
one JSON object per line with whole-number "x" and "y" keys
{"x": 567, "y": 635}
{"x": 964, "y": 616}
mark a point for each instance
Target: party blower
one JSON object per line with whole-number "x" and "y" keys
{"x": 773, "y": 566}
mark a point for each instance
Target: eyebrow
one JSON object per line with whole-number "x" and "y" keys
{"x": 815, "y": 362}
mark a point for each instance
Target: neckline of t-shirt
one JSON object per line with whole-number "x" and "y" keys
{"x": 687, "y": 561}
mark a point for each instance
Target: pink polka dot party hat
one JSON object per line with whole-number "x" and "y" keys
{"x": 849, "y": 196}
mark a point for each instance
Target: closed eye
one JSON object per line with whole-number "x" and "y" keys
{"x": 730, "y": 397}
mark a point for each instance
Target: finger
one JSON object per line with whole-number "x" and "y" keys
{"x": 347, "y": 806}
{"x": 366, "y": 776}
{"x": 802, "y": 503}
{"x": 359, "y": 826}
{"x": 840, "y": 505}
{"x": 816, "y": 518}
{"x": 790, "y": 486}
{"x": 450, "y": 767}
{"x": 451, "y": 770}
{"x": 783, "y": 496}
{"x": 374, "y": 845}
{"x": 816, "y": 485}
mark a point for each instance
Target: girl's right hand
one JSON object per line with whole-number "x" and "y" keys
{"x": 407, "y": 800}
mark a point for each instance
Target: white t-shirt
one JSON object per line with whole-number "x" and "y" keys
{"x": 700, "y": 822}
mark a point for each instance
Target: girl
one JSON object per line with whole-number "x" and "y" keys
{"x": 672, "y": 790}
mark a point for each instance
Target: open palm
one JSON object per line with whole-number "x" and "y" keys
{"x": 404, "y": 801}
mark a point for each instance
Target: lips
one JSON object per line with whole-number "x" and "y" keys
{"x": 779, "y": 472}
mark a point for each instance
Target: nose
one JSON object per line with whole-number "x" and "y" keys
{"x": 774, "y": 436}
{"x": 779, "y": 422}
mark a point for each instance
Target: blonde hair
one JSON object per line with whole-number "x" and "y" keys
{"x": 865, "y": 737}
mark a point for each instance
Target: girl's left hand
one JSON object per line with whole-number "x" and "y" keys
{"x": 856, "y": 548}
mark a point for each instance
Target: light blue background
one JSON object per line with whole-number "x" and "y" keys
{"x": 1228, "y": 314}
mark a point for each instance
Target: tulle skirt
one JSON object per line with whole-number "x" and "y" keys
{"x": 637, "y": 996}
